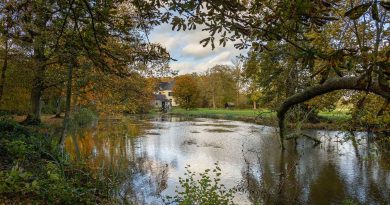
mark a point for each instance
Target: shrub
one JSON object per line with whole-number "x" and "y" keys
{"x": 34, "y": 171}
{"x": 16, "y": 181}
{"x": 206, "y": 190}
{"x": 83, "y": 117}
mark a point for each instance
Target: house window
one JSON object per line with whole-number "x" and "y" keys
{"x": 170, "y": 94}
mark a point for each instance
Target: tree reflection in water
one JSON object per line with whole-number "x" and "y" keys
{"x": 112, "y": 147}
{"x": 340, "y": 169}
{"x": 150, "y": 154}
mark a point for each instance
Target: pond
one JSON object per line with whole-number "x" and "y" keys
{"x": 153, "y": 153}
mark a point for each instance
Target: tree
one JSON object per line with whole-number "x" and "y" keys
{"x": 186, "y": 91}
{"x": 254, "y": 95}
{"x": 220, "y": 85}
{"x": 42, "y": 27}
{"x": 5, "y": 60}
{"x": 339, "y": 53}
{"x": 279, "y": 74}
{"x": 238, "y": 78}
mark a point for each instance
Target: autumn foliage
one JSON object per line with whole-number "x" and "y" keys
{"x": 186, "y": 91}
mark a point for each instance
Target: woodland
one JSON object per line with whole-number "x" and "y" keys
{"x": 76, "y": 59}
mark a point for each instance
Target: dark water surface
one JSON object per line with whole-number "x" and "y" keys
{"x": 153, "y": 153}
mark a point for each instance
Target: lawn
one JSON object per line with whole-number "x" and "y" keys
{"x": 249, "y": 113}
{"x": 218, "y": 111}
{"x": 336, "y": 115}
{"x": 208, "y": 112}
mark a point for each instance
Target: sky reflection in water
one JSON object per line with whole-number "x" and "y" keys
{"x": 153, "y": 153}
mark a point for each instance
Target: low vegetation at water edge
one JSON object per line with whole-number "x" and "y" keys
{"x": 34, "y": 171}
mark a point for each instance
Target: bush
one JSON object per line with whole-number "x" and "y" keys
{"x": 83, "y": 117}
{"x": 206, "y": 191}
{"x": 16, "y": 181}
{"x": 34, "y": 171}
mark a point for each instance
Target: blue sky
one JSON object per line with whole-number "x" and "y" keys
{"x": 190, "y": 55}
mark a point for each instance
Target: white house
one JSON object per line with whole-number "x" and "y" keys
{"x": 166, "y": 88}
{"x": 164, "y": 95}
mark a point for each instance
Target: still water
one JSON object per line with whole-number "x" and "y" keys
{"x": 152, "y": 153}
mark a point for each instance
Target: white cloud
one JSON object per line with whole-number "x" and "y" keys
{"x": 165, "y": 40}
{"x": 168, "y": 43}
{"x": 192, "y": 56}
{"x": 196, "y": 50}
{"x": 223, "y": 58}
{"x": 182, "y": 66}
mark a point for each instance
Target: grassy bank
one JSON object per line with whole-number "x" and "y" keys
{"x": 236, "y": 113}
{"x": 331, "y": 120}
{"x": 223, "y": 113}
{"x": 33, "y": 170}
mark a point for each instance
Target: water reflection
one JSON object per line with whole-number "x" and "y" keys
{"x": 153, "y": 154}
{"x": 335, "y": 171}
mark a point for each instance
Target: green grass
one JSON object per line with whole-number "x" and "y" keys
{"x": 337, "y": 115}
{"x": 228, "y": 113}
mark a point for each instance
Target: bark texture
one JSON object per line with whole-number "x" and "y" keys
{"x": 34, "y": 117}
{"x": 67, "y": 105}
{"x": 4, "y": 69}
{"x": 58, "y": 107}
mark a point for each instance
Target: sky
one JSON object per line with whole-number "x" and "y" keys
{"x": 190, "y": 55}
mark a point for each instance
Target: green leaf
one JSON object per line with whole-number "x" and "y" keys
{"x": 357, "y": 11}
{"x": 35, "y": 184}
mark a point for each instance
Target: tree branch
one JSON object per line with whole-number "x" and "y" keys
{"x": 332, "y": 84}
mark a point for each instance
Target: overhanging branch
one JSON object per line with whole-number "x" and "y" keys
{"x": 333, "y": 84}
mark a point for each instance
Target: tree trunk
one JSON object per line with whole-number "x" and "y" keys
{"x": 58, "y": 107}
{"x": 67, "y": 105}
{"x": 333, "y": 84}
{"x": 254, "y": 105}
{"x": 76, "y": 99}
{"x": 67, "y": 113}
{"x": 34, "y": 117}
{"x": 238, "y": 98}
{"x": 214, "y": 106}
{"x": 3, "y": 70}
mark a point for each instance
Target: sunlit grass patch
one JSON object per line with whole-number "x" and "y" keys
{"x": 234, "y": 114}
{"x": 335, "y": 115}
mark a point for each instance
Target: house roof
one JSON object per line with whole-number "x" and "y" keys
{"x": 166, "y": 85}
{"x": 161, "y": 97}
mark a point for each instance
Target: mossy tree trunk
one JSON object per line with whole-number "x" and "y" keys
{"x": 34, "y": 117}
